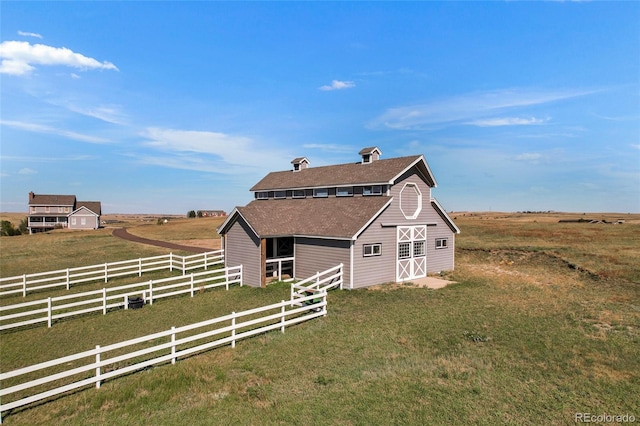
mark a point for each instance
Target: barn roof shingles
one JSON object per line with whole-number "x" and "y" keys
{"x": 338, "y": 217}
{"x": 377, "y": 172}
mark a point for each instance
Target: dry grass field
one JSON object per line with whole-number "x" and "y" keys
{"x": 544, "y": 323}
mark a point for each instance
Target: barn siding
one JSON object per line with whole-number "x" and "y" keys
{"x": 316, "y": 255}
{"x": 437, "y": 260}
{"x": 375, "y": 269}
{"x": 243, "y": 248}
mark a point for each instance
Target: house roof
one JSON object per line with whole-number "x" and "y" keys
{"x": 339, "y": 218}
{"x": 52, "y": 200}
{"x": 94, "y": 206}
{"x": 377, "y": 172}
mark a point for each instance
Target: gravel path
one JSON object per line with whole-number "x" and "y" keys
{"x": 122, "y": 233}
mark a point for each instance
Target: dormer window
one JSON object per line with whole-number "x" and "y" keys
{"x": 280, "y": 194}
{"x": 262, "y": 195}
{"x": 369, "y": 155}
{"x": 300, "y": 163}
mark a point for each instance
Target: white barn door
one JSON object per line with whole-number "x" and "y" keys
{"x": 411, "y": 252}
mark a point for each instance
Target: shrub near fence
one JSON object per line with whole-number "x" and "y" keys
{"x": 107, "y": 362}
{"x": 22, "y": 284}
{"x": 102, "y": 300}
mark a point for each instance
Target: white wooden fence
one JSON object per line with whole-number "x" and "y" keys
{"x": 53, "y": 308}
{"x": 22, "y": 284}
{"x": 319, "y": 283}
{"x": 276, "y": 267}
{"x": 103, "y": 363}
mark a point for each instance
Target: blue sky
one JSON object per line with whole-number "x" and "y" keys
{"x": 165, "y": 107}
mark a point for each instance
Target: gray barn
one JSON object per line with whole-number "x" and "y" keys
{"x": 376, "y": 216}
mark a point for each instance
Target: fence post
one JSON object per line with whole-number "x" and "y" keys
{"x": 282, "y": 320}
{"x": 226, "y": 278}
{"x": 126, "y": 302}
{"x": 151, "y": 292}
{"x": 173, "y": 345}
{"x": 97, "y": 366}
{"x": 104, "y": 301}
{"x": 139, "y": 266}
{"x": 241, "y": 275}
{"x": 324, "y": 308}
{"x": 184, "y": 270}
{"x": 205, "y": 261}
{"x": 67, "y": 278}
{"x": 341, "y": 276}
{"x": 106, "y": 272}
{"x": 49, "y": 312}
{"x": 171, "y": 262}
{"x": 233, "y": 329}
{"x": 192, "y": 284}
{"x": 24, "y": 285}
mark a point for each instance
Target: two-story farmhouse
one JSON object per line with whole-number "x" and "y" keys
{"x": 377, "y": 217}
{"x": 47, "y": 212}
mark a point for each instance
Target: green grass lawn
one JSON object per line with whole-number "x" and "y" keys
{"x": 523, "y": 338}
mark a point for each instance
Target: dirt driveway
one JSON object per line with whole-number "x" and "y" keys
{"x": 122, "y": 233}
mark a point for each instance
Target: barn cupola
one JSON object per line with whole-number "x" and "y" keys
{"x": 369, "y": 155}
{"x": 300, "y": 163}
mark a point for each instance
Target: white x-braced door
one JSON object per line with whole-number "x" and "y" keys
{"x": 412, "y": 252}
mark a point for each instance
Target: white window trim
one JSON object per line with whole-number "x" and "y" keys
{"x": 373, "y": 251}
{"x": 279, "y": 194}
{"x": 262, "y": 195}
{"x": 301, "y": 193}
{"x": 419, "y": 208}
{"x": 440, "y": 245}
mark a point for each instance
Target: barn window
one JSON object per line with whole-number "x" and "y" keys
{"x": 298, "y": 193}
{"x": 321, "y": 192}
{"x": 262, "y": 195}
{"x": 346, "y": 191}
{"x": 280, "y": 194}
{"x": 369, "y": 250}
{"x": 404, "y": 250}
{"x": 441, "y": 243}
{"x": 372, "y": 190}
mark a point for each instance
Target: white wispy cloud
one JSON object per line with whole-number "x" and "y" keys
{"x": 28, "y": 34}
{"x": 27, "y": 171}
{"x": 109, "y": 113}
{"x": 635, "y": 145}
{"x": 330, "y": 147}
{"x": 19, "y": 58}
{"x": 338, "y": 85}
{"x": 507, "y": 121}
{"x": 532, "y": 157}
{"x": 469, "y": 108}
{"x": 40, "y": 128}
{"x": 209, "y": 151}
